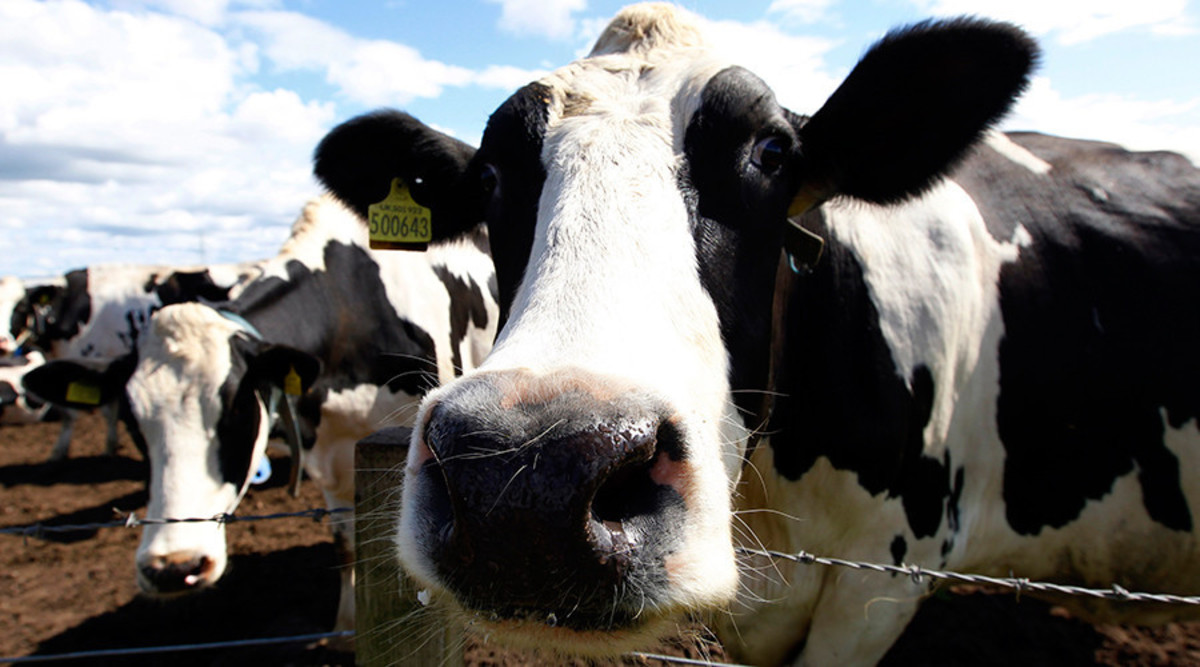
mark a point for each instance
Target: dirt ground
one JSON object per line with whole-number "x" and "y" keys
{"x": 74, "y": 592}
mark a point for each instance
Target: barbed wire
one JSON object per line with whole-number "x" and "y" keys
{"x": 179, "y": 648}
{"x": 131, "y": 520}
{"x": 1018, "y": 584}
{"x": 271, "y": 641}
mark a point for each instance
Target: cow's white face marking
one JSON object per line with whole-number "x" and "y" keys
{"x": 611, "y": 292}
{"x": 184, "y": 359}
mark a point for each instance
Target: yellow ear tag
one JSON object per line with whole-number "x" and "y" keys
{"x": 85, "y": 394}
{"x": 291, "y": 383}
{"x": 398, "y": 222}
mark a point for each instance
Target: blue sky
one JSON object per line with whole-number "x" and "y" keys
{"x": 180, "y": 131}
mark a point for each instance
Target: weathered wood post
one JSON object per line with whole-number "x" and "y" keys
{"x": 393, "y": 626}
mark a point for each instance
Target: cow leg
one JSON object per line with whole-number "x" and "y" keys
{"x": 858, "y": 618}
{"x": 62, "y": 446}
{"x": 111, "y": 439}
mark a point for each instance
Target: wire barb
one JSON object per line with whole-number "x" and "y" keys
{"x": 1017, "y": 584}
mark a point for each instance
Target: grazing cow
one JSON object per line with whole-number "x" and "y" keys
{"x": 97, "y": 313}
{"x": 17, "y": 406}
{"x": 363, "y": 335}
{"x": 989, "y": 372}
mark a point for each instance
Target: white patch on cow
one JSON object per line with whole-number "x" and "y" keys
{"x": 1006, "y": 147}
{"x": 931, "y": 268}
{"x": 779, "y": 601}
{"x": 185, "y": 355}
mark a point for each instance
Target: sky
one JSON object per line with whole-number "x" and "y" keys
{"x": 181, "y": 132}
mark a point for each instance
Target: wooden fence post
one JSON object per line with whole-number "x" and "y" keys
{"x": 393, "y": 626}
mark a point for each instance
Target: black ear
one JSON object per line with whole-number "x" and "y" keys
{"x": 912, "y": 107}
{"x": 358, "y": 159}
{"x": 80, "y": 384}
{"x": 290, "y": 369}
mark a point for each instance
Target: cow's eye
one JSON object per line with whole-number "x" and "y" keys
{"x": 489, "y": 179}
{"x": 770, "y": 154}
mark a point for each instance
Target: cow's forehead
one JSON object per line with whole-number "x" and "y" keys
{"x": 192, "y": 340}
{"x": 665, "y": 85}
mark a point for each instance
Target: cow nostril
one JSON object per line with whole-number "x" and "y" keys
{"x": 633, "y": 498}
{"x": 627, "y": 493}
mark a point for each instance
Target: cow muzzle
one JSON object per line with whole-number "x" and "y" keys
{"x": 176, "y": 573}
{"x": 548, "y": 500}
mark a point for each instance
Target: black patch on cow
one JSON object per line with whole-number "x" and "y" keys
{"x": 186, "y": 286}
{"x": 241, "y": 418}
{"x": 8, "y": 394}
{"x": 467, "y": 308}
{"x": 1100, "y": 314}
{"x": 508, "y": 175}
{"x": 342, "y": 316}
{"x": 738, "y": 211}
{"x": 899, "y": 550}
{"x": 840, "y": 396}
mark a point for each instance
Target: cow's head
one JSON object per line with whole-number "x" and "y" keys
{"x": 51, "y": 313}
{"x": 196, "y": 394}
{"x": 575, "y": 490}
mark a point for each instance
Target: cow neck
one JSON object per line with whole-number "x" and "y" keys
{"x": 288, "y": 415}
{"x": 802, "y": 250}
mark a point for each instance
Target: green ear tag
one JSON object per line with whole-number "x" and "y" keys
{"x": 398, "y": 222}
{"x": 291, "y": 383}
{"x": 84, "y": 394}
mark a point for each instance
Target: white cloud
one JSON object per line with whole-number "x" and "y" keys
{"x": 1137, "y": 124}
{"x": 544, "y": 18}
{"x": 793, "y": 66}
{"x": 801, "y": 11}
{"x": 1074, "y": 22}
{"x": 369, "y": 72}
{"x": 131, "y": 135}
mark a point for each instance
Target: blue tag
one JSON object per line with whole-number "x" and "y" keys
{"x": 264, "y": 471}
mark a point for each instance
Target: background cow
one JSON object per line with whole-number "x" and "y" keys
{"x": 97, "y": 313}
{"x": 991, "y": 372}
{"x": 355, "y": 337}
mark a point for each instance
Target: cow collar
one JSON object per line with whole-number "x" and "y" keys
{"x": 288, "y": 415}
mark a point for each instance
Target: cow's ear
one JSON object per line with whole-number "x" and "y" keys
{"x": 359, "y": 159}
{"x": 292, "y": 370}
{"x": 911, "y": 108}
{"x": 80, "y": 384}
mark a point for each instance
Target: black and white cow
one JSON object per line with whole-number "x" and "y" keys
{"x": 363, "y": 333}
{"x": 991, "y": 372}
{"x": 17, "y": 406}
{"x": 98, "y": 311}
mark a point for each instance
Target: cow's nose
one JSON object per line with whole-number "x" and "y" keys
{"x": 175, "y": 573}
{"x": 529, "y": 501}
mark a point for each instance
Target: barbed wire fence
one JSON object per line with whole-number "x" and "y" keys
{"x": 1016, "y": 584}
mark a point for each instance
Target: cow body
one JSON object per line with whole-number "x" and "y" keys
{"x": 97, "y": 313}
{"x": 981, "y": 372}
{"x": 363, "y": 333}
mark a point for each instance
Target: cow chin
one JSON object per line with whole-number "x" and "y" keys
{"x": 546, "y": 636}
